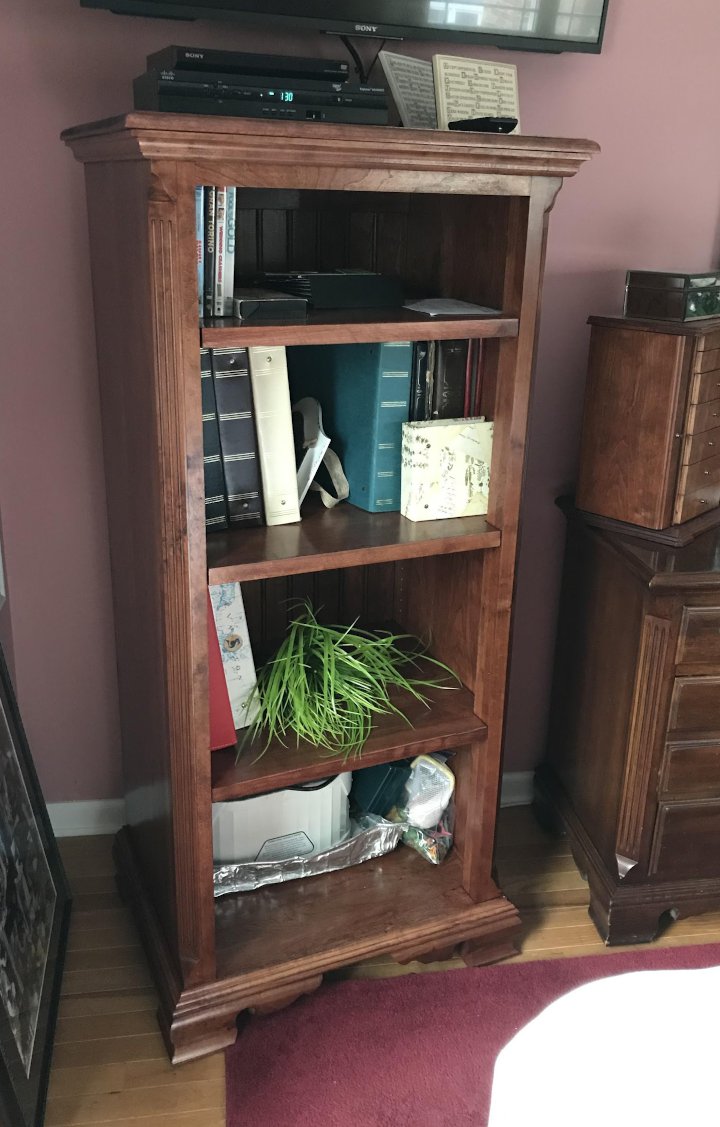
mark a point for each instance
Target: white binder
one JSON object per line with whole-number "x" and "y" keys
{"x": 273, "y": 421}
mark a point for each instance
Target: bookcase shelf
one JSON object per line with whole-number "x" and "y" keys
{"x": 354, "y": 326}
{"x": 382, "y": 906}
{"x": 447, "y": 722}
{"x": 338, "y": 538}
{"x": 449, "y": 214}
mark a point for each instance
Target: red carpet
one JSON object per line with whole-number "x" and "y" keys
{"x": 414, "y": 1051}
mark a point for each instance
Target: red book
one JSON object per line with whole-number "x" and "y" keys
{"x": 222, "y": 729}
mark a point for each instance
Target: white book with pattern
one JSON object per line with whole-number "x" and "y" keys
{"x": 235, "y": 650}
{"x": 445, "y": 468}
{"x": 276, "y": 444}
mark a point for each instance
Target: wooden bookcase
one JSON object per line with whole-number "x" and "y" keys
{"x": 454, "y": 215}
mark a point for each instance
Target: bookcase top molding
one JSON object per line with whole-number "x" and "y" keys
{"x": 186, "y": 137}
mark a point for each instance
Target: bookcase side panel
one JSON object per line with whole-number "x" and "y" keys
{"x": 510, "y": 381}
{"x": 152, "y": 461}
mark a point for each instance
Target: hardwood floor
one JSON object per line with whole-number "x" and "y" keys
{"x": 109, "y": 1063}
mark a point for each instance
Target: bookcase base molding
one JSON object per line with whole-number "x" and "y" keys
{"x": 454, "y": 215}
{"x": 402, "y": 912}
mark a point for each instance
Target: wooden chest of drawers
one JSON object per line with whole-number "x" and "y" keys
{"x": 650, "y": 450}
{"x": 633, "y": 760}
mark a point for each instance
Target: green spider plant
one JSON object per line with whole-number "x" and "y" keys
{"x": 327, "y": 683}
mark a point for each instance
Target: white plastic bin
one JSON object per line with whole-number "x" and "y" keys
{"x": 296, "y": 822}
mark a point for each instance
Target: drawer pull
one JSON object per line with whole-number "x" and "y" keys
{"x": 702, "y": 501}
{"x": 711, "y": 443}
{"x": 706, "y": 473}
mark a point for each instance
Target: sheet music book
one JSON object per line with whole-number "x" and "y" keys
{"x": 450, "y": 88}
{"x": 467, "y": 88}
{"x": 412, "y": 86}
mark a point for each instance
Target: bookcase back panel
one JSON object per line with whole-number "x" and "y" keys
{"x": 366, "y": 594}
{"x": 440, "y": 245}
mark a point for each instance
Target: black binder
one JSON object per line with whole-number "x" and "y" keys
{"x": 216, "y": 514}
{"x": 238, "y": 439}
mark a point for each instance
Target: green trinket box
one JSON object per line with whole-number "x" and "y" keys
{"x": 659, "y": 296}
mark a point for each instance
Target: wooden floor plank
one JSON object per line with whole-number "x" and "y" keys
{"x": 105, "y": 958}
{"x": 192, "y": 1095}
{"x": 116, "y": 1050}
{"x": 108, "y": 1078}
{"x": 214, "y": 1118}
{"x": 97, "y": 1005}
{"x": 73, "y": 1029}
{"x": 107, "y": 981}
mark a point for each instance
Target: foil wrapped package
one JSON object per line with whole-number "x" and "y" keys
{"x": 370, "y": 836}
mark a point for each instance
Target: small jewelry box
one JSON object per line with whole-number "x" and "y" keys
{"x": 659, "y": 296}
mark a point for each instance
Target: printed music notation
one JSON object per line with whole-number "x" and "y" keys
{"x": 467, "y": 88}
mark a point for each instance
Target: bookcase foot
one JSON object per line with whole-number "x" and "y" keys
{"x": 475, "y": 954}
{"x": 279, "y": 999}
{"x": 186, "y": 1041}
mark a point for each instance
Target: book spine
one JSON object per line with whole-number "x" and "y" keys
{"x": 222, "y": 725}
{"x": 219, "y": 261}
{"x": 477, "y": 389}
{"x": 235, "y": 651}
{"x": 216, "y": 513}
{"x": 276, "y": 446}
{"x": 238, "y": 441}
{"x": 450, "y": 373}
{"x": 209, "y": 250}
{"x": 419, "y": 375}
{"x": 228, "y": 283}
{"x": 430, "y": 365}
{"x": 199, "y": 245}
{"x": 392, "y": 410}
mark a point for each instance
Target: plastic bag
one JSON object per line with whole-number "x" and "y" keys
{"x": 427, "y": 808}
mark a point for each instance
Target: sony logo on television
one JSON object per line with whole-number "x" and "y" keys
{"x": 194, "y": 55}
{"x": 366, "y": 26}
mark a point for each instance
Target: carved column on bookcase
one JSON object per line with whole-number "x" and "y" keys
{"x": 180, "y": 467}
{"x": 646, "y": 720}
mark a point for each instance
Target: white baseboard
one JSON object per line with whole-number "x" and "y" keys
{"x": 78, "y": 819}
{"x": 517, "y": 788}
{"x": 107, "y": 816}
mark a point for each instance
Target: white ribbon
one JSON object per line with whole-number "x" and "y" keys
{"x": 316, "y": 445}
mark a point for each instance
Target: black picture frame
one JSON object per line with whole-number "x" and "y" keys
{"x": 34, "y": 917}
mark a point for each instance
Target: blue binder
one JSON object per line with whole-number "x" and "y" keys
{"x": 364, "y": 392}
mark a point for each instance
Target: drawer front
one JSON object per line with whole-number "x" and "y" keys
{"x": 703, "y": 416}
{"x": 695, "y": 705}
{"x": 691, "y": 505}
{"x": 699, "y": 641}
{"x": 697, "y": 447}
{"x": 705, "y": 361}
{"x": 709, "y": 342}
{"x": 700, "y": 475}
{"x": 691, "y": 770}
{"x": 686, "y": 841}
{"x": 705, "y": 386}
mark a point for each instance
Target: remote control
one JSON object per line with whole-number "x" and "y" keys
{"x": 485, "y": 124}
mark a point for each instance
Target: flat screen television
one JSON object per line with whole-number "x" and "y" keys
{"x": 536, "y": 25}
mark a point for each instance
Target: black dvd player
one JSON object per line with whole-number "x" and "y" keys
{"x": 359, "y": 105}
{"x": 233, "y": 107}
{"x": 274, "y": 67}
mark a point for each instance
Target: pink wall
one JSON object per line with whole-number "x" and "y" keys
{"x": 650, "y": 200}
